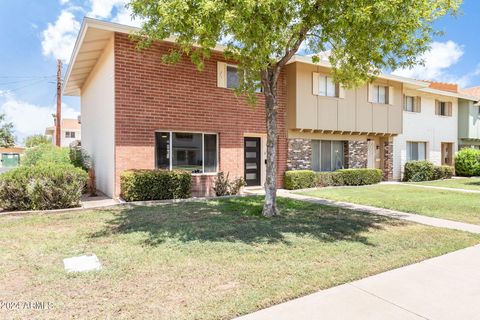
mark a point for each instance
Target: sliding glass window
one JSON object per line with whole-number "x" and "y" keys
{"x": 327, "y": 155}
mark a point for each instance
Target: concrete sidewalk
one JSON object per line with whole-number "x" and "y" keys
{"x": 446, "y": 287}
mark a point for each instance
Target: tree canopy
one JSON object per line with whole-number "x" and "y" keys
{"x": 362, "y": 37}
{"x": 36, "y": 140}
{"x": 7, "y": 138}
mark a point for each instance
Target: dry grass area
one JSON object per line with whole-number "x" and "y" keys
{"x": 202, "y": 260}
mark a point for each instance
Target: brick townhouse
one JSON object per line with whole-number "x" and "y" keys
{"x": 138, "y": 113}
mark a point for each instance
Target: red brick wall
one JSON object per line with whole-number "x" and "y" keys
{"x": 150, "y": 96}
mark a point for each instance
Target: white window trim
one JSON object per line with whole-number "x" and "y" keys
{"x": 170, "y": 132}
{"x": 339, "y": 89}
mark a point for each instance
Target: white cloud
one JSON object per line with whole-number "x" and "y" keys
{"x": 59, "y": 38}
{"x": 29, "y": 118}
{"x": 124, "y": 16}
{"x": 102, "y": 9}
{"x": 437, "y": 61}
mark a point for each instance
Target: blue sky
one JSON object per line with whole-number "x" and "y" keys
{"x": 34, "y": 33}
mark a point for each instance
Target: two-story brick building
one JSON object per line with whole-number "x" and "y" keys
{"x": 138, "y": 113}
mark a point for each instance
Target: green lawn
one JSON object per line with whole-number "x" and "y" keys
{"x": 202, "y": 260}
{"x": 466, "y": 183}
{"x": 451, "y": 205}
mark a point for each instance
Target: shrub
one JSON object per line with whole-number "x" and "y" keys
{"x": 42, "y": 187}
{"x": 79, "y": 158}
{"x": 467, "y": 162}
{"x": 46, "y": 154}
{"x": 360, "y": 177}
{"x": 223, "y": 186}
{"x": 416, "y": 171}
{"x": 443, "y": 172}
{"x": 299, "y": 179}
{"x": 141, "y": 185}
{"x": 327, "y": 179}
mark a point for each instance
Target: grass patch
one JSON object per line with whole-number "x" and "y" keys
{"x": 464, "y": 207}
{"x": 202, "y": 260}
{"x": 464, "y": 183}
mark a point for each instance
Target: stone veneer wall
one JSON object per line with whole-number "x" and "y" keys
{"x": 388, "y": 160}
{"x": 299, "y": 154}
{"x": 356, "y": 154}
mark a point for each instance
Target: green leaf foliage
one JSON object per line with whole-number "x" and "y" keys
{"x": 42, "y": 187}
{"x": 46, "y": 154}
{"x": 36, "y": 140}
{"x": 7, "y": 139}
{"x": 363, "y": 37}
{"x": 467, "y": 162}
{"x": 142, "y": 185}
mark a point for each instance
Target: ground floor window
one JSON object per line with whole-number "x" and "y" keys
{"x": 416, "y": 151}
{"x": 327, "y": 155}
{"x": 194, "y": 152}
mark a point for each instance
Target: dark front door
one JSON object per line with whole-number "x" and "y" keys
{"x": 252, "y": 161}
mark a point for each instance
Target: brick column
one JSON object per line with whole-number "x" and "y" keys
{"x": 388, "y": 160}
{"x": 299, "y": 154}
{"x": 356, "y": 154}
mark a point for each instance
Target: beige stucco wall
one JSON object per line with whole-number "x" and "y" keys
{"x": 97, "y": 109}
{"x": 352, "y": 113}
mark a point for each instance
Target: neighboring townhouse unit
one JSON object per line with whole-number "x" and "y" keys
{"x": 330, "y": 127}
{"x": 71, "y": 131}
{"x": 430, "y": 126}
{"x": 138, "y": 113}
{"x": 469, "y": 120}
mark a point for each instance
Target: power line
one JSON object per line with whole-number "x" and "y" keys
{"x": 26, "y": 77}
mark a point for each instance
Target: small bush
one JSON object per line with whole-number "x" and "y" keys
{"x": 142, "y": 185}
{"x": 223, "y": 186}
{"x": 467, "y": 162}
{"x": 360, "y": 177}
{"x": 416, "y": 171}
{"x": 299, "y": 179}
{"x": 46, "y": 154}
{"x": 80, "y": 158}
{"x": 42, "y": 187}
{"x": 443, "y": 172}
{"x": 328, "y": 179}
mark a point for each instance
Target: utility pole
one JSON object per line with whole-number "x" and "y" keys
{"x": 58, "y": 118}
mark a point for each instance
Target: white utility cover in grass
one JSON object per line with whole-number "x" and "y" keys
{"x": 82, "y": 263}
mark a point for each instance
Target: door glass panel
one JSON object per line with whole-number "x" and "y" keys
{"x": 251, "y": 144}
{"x": 251, "y": 165}
{"x": 251, "y": 154}
{"x": 251, "y": 176}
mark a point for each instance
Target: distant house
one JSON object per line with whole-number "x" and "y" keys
{"x": 469, "y": 120}
{"x": 71, "y": 131}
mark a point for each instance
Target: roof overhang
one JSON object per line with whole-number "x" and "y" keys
{"x": 411, "y": 83}
{"x": 93, "y": 38}
{"x": 448, "y": 94}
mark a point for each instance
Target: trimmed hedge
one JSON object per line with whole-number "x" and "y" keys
{"x": 42, "y": 187}
{"x": 299, "y": 179}
{"x": 328, "y": 179}
{"x": 416, "y": 171}
{"x": 467, "y": 162}
{"x": 143, "y": 185}
{"x": 360, "y": 177}
{"x": 443, "y": 172}
{"x": 303, "y": 179}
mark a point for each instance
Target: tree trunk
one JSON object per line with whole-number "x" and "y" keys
{"x": 269, "y": 80}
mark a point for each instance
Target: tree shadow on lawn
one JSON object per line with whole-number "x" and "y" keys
{"x": 240, "y": 219}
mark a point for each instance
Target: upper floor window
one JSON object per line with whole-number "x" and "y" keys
{"x": 412, "y": 104}
{"x": 327, "y": 87}
{"x": 70, "y": 134}
{"x": 232, "y": 77}
{"x": 443, "y": 108}
{"x": 380, "y": 94}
